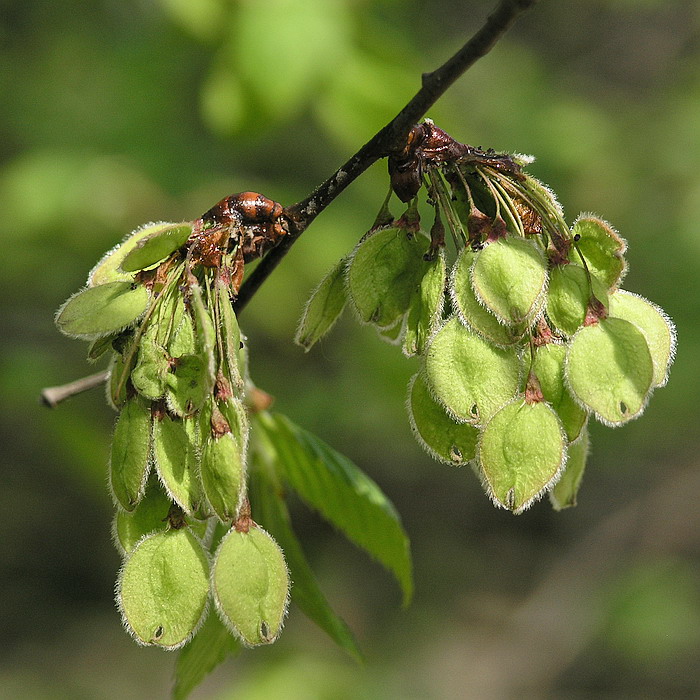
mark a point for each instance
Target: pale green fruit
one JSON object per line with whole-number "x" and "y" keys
{"x": 383, "y": 273}
{"x": 102, "y": 310}
{"x": 471, "y": 378}
{"x": 602, "y": 247}
{"x": 569, "y": 294}
{"x": 109, "y": 267}
{"x": 472, "y": 312}
{"x": 323, "y": 308}
{"x": 152, "y": 367}
{"x": 150, "y": 515}
{"x": 548, "y": 366}
{"x": 175, "y": 454}
{"x": 100, "y": 346}
{"x": 183, "y": 341}
{"x": 231, "y": 333}
{"x": 155, "y": 247}
{"x": 437, "y": 432}
{"x": 223, "y": 474}
{"x": 250, "y": 584}
{"x": 205, "y": 334}
{"x": 509, "y": 276}
{"x": 521, "y": 453}
{"x": 609, "y": 370}
{"x": 657, "y": 327}
{"x": 563, "y": 494}
{"x": 130, "y": 457}
{"x": 425, "y": 309}
{"x": 119, "y": 369}
{"x": 188, "y": 385}
{"x": 163, "y": 588}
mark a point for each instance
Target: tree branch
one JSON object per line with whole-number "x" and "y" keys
{"x": 389, "y": 139}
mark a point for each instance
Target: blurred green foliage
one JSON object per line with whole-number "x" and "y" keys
{"x": 117, "y": 113}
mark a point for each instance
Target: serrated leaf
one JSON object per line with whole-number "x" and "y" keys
{"x": 175, "y": 453}
{"x": 603, "y": 249}
{"x": 109, "y": 267}
{"x": 548, "y": 366}
{"x": 383, "y": 273}
{"x": 250, "y": 584}
{"x": 425, "y": 310}
{"x": 509, "y": 276}
{"x": 130, "y": 458}
{"x": 271, "y": 511}
{"x": 472, "y": 312}
{"x": 156, "y": 247}
{"x": 323, "y": 308}
{"x": 471, "y": 378}
{"x": 435, "y": 430}
{"x": 521, "y": 452}
{"x": 657, "y": 328}
{"x": 563, "y": 494}
{"x": 345, "y": 496}
{"x": 102, "y": 310}
{"x": 206, "y": 650}
{"x": 163, "y": 588}
{"x": 609, "y": 370}
{"x": 569, "y": 295}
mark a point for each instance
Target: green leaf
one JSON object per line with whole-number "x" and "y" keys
{"x": 271, "y": 511}
{"x": 471, "y": 378}
{"x": 119, "y": 369}
{"x": 344, "y": 495}
{"x": 509, "y": 276}
{"x": 102, "y": 310}
{"x": 602, "y": 247}
{"x": 130, "y": 458}
{"x": 163, "y": 588}
{"x": 109, "y": 267}
{"x": 609, "y": 370}
{"x": 100, "y": 346}
{"x": 383, "y": 273}
{"x": 569, "y": 296}
{"x": 324, "y": 307}
{"x": 521, "y": 452}
{"x": 176, "y": 459}
{"x": 548, "y": 366}
{"x": 656, "y": 326}
{"x": 441, "y": 437}
{"x": 156, "y": 247}
{"x": 425, "y": 311}
{"x": 250, "y": 584}
{"x": 563, "y": 495}
{"x": 206, "y": 650}
{"x": 472, "y": 312}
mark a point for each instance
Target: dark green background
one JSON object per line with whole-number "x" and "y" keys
{"x": 118, "y": 112}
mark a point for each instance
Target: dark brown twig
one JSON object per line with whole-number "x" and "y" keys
{"x": 389, "y": 139}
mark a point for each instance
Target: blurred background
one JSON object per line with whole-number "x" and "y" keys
{"x": 118, "y": 112}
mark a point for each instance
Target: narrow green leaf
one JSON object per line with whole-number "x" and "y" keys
{"x": 435, "y": 430}
{"x": 205, "y": 333}
{"x": 521, "y": 453}
{"x": 470, "y": 377}
{"x": 102, "y": 310}
{"x": 383, "y": 273}
{"x": 163, "y": 588}
{"x": 603, "y": 248}
{"x": 204, "y": 652}
{"x": 509, "y": 276}
{"x": 175, "y": 453}
{"x": 108, "y": 269}
{"x": 250, "y": 585}
{"x": 130, "y": 458}
{"x": 271, "y": 511}
{"x": 323, "y": 308}
{"x": 344, "y": 495}
{"x": 564, "y": 493}
{"x": 609, "y": 370}
{"x": 657, "y": 327}
{"x": 156, "y": 247}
